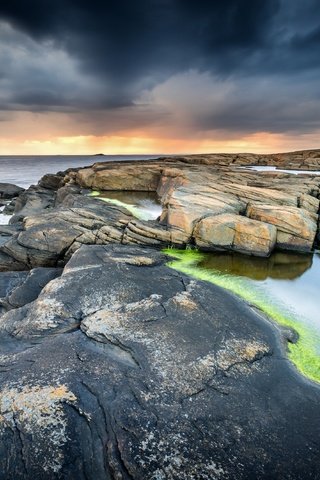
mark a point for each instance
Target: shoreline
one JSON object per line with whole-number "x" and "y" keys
{"x": 117, "y": 365}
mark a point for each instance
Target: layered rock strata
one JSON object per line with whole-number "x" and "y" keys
{"x": 204, "y": 203}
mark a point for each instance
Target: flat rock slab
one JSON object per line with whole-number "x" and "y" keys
{"x": 139, "y": 372}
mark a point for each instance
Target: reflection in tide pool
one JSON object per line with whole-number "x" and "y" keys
{"x": 269, "y": 168}
{"x": 289, "y": 279}
{"x": 143, "y": 205}
{"x": 284, "y": 286}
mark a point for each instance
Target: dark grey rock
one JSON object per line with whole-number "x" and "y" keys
{"x": 9, "y": 190}
{"x": 139, "y": 372}
{"x": 9, "y": 281}
{"x": 29, "y": 289}
{"x": 63, "y": 192}
{"x": 10, "y": 263}
{"x": 9, "y": 208}
{"x": 49, "y": 239}
{"x": 19, "y": 288}
{"x": 35, "y": 200}
{"x": 9, "y": 230}
{"x": 51, "y": 181}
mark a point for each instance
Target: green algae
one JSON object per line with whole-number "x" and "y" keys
{"x": 303, "y": 353}
{"x": 94, "y": 193}
{"x": 135, "y": 211}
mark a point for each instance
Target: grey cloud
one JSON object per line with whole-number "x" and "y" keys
{"x": 113, "y": 63}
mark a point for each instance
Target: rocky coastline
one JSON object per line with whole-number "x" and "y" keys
{"x": 115, "y": 366}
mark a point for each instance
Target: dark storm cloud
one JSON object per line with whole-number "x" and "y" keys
{"x": 129, "y": 40}
{"x": 121, "y": 48}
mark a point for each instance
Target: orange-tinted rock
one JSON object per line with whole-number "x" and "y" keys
{"x": 296, "y": 228}
{"x": 124, "y": 177}
{"x": 235, "y": 233}
{"x": 187, "y": 206}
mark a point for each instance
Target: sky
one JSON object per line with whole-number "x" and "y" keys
{"x": 159, "y": 76}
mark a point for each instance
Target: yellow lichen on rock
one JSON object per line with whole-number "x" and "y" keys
{"x": 37, "y": 410}
{"x": 185, "y": 300}
{"x": 241, "y": 354}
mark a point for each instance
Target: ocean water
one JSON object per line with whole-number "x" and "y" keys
{"x": 27, "y": 170}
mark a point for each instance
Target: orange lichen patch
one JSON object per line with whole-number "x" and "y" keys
{"x": 61, "y": 393}
{"x": 138, "y": 260}
{"x": 241, "y": 354}
{"x": 38, "y": 411}
{"x": 185, "y": 300}
{"x": 252, "y": 350}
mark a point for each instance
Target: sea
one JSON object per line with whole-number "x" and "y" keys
{"x": 27, "y": 170}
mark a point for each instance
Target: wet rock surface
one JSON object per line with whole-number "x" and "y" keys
{"x": 124, "y": 368}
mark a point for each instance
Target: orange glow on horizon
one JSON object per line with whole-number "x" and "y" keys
{"x": 135, "y": 144}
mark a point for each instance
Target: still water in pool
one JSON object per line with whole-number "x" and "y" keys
{"x": 143, "y": 205}
{"x": 270, "y": 168}
{"x": 284, "y": 286}
{"x": 289, "y": 279}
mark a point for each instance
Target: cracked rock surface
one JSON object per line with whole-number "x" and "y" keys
{"x": 207, "y": 201}
{"x": 122, "y": 368}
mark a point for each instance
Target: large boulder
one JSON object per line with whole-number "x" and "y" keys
{"x": 186, "y": 206}
{"x": 32, "y": 201}
{"x": 123, "y": 368}
{"x": 52, "y": 181}
{"x": 128, "y": 177}
{"x": 295, "y": 226}
{"x": 235, "y": 233}
{"x": 9, "y": 190}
